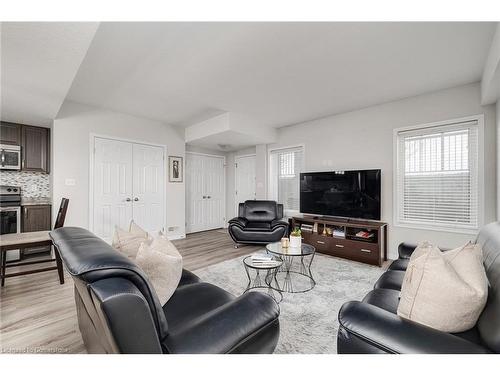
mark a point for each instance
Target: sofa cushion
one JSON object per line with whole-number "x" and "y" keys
{"x": 390, "y": 280}
{"x": 444, "y": 290}
{"x": 162, "y": 263}
{"x": 263, "y": 211}
{"x": 188, "y": 277}
{"x": 258, "y": 226}
{"x": 399, "y": 264}
{"x": 190, "y": 302}
{"x": 387, "y": 299}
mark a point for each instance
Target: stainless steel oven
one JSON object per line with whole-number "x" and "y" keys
{"x": 10, "y": 157}
{"x": 10, "y": 215}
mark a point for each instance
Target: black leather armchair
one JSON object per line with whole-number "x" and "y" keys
{"x": 258, "y": 222}
{"x": 118, "y": 310}
{"x": 373, "y": 326}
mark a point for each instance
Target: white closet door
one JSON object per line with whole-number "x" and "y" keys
{"x": 245, "y": 179}
{"x": 204, "y": 192}
{"x": 112, "y": 190}
{"x": 213, "y": 172}
{"x": 148, "y": 187}
{"x": 194, "y": 193}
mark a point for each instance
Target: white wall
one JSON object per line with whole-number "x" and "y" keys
{"x": 498, "y": 159}
{"x": 363, "y": 139}
{"x": 71, "y": 155}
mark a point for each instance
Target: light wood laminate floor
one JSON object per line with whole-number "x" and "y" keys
{"x": 38, "y": 315}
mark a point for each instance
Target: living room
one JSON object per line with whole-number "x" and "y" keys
{"x": 250, "y": 187}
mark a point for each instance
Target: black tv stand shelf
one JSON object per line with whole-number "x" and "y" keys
{"x": 339, "y": 237}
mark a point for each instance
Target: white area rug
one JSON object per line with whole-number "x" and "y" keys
{"x": 308, "y": 320}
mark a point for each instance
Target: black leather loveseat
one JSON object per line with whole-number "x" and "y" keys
{"x": 258, "y": 222}
{"x": 372, "y": 326}
{"x": 119, "y": 312}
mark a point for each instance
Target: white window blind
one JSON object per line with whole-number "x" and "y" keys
{"x": 285, "y": 167}
{"x": 437, "y": 176}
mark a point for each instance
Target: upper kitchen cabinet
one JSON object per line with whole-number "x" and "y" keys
{"x": 35, "y": 149}
{"x": 10, "y": 133}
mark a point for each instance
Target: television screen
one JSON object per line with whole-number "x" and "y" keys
{"x": 352, "y": 194}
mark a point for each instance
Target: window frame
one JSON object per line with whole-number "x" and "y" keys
{"x": 286, "y": 213}
{"x": 441, "y": 227}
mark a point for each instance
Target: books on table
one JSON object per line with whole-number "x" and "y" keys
{"x": 264, "y": 260}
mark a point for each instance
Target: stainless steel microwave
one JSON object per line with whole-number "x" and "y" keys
{"x": 10, "y": 157}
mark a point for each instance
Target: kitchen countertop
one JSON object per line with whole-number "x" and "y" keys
{"x": 35, "y": 201}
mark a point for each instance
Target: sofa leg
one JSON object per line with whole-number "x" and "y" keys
{"x": 236, "y": 245}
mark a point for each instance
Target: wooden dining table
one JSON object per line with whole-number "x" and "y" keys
{"x": 14, "y": 241}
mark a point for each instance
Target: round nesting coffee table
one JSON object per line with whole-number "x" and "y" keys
{"x": 297, "y": 261}
{"x": 268, "y": 279}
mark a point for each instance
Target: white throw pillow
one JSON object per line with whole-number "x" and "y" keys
{"x": 162, "y": 263}
{"x": 444, "y": 290}
{"x": 128, "y": 242}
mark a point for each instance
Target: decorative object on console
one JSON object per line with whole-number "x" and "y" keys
{"x": 444, "y": 290}
{"x": 175, "y": 169}
{"x": 162, "y": 264}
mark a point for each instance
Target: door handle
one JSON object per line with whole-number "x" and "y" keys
{"x": 204, "y": 197}
{"x": 136, "y": 199}
{"x": 339, "y": 245}
{"x": 208, "y": 197}
{"x": 366, "y": 251}
{"x": 128, "y": 200}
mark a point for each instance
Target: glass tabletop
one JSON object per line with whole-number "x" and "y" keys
{"x": 304, "y": 250}
{"x": 275, "y": 262}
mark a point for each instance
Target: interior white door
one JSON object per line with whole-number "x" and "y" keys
{"x": 204, "y": 192}
{"x": 245, "y": 179}
{"x": 148, "y": 187}
{"x": 112, "y": 190}
{"x": 213, "y": 175}
{"x": 194, "y": 193}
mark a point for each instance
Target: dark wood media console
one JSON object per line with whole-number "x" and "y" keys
{"x": 339, "y": 237}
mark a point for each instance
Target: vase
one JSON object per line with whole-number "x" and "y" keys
{"x": 295, "y": 241}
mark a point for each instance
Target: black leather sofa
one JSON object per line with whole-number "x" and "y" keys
{"x": 258, "y": 222}
{"x": 373, "y": 326}
{"x": 119, "y": 312}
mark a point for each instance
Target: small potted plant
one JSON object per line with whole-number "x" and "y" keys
{"x": 296, "y": 238}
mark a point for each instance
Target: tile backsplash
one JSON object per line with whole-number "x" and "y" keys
{"x": 33, "y": 184}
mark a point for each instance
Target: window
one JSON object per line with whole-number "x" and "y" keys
{"x": 437, "y": 175}
{"x": 285, "y": 166}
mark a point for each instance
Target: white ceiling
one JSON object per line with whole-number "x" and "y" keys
{"x": 39, "y": 61}
{"x": 275, "y": 73}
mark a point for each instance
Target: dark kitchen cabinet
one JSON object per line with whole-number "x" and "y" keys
{"x": 35, "y": 218}
{"x": 10, "y": 133}
{"x": 35, "y": 149}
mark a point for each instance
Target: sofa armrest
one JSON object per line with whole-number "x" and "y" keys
{"x": 377, "y": 330}
{"x": 405, "y": 249}
{"x": 278, "y": 223}
{"x": 241, "y": 221}
{"x": 226, "y": 328}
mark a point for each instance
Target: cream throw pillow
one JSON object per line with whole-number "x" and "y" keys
{"x": 128, "y": 242}
{"x": 444, "y": 290}
{"x": 162, "y": 263}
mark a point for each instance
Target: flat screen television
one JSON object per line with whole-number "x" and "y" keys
{"x": 350, "y": 194}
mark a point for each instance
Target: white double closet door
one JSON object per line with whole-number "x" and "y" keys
{"x": 128, "y": 184}
{"x": 205, "y": 192}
